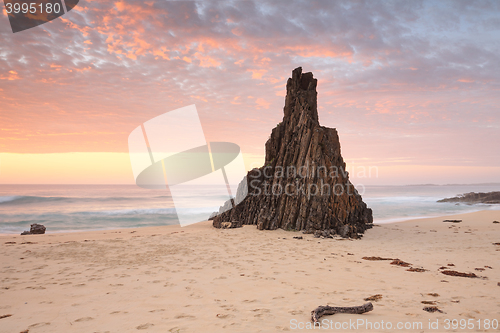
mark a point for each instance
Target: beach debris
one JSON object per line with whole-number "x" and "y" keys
{"x": 230, "y": 225}
{"x": 433, "y": 294}
{"x": 10, "y": 243}
{"x": 374, "y": 298}
{"x": 401, "y": 263}
{"x": 324, "y": 310}
{"x": 498, "y": 284}
{"x": 298, "y": 237}
{"x": 295, "y": 202}
{"x": 496, "y": 243}
{"x": 496, "y": 222}
{"x": 443, "y": 267}
{"x": 451, "y": 264}
{"x": 5, "y": 316}
{"x": 415, "y": 269}
{"x": 454, "y": 221}
{"x": 432, "y": 309}
{"x": 460, "y": 274}
{"x": 26, "y": 331}
{"x": 488, "y": 267}
{"x": 35, "y": 229}
{"x": 377, "y": 258}
{"x": 429, "y": 302}
{"x": 479, "y": 269}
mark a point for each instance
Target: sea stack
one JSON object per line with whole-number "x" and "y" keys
{"x": 304, "y": 184}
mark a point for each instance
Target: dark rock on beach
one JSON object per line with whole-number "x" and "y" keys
{"x": 303, "y": 184}
{"x": 475, "y": 198}
{"x": 35, "y": 229}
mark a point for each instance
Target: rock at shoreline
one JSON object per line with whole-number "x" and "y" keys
{"x": 475, "y": 198}
{"x": 303, "y": 184}
{"x": 35, "y": 229}
{"x": 230, "y": 225}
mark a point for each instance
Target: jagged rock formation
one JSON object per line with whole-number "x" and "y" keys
{"x": 475, "y": 198}
{"x": 304, "y": 184}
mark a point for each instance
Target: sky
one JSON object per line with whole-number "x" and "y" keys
{"x": 412, "y": 87}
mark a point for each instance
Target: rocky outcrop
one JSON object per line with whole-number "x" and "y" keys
{"x": 304, "y": 184}
{"x": 35, "y": 229}
{"x": 475, "y": 198}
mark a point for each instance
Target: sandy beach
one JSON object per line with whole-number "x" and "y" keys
{"x": 202, "y": 279}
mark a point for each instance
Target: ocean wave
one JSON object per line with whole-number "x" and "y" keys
{"x": 18, "y": 200}
{"x": 9, "y": 199}
{"x": 149, "y": 211}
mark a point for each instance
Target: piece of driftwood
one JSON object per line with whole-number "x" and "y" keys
{"x": 402, "y": 263}
{"x": 432, "y": 309}
{"x": 5, "y": 316}
{"x": 413, "y": 269}
{"x": 460, "y": 274}
{"x": 324, "y": 310}
{"x": 454, "y": 221}
{"x": 374, "y": 298}
{"x": 377, "y": 258}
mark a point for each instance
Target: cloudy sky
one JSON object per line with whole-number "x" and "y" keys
{"x": 411, "y": 86}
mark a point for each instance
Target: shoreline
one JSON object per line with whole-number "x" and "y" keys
{"x": 380, "y": 222}
{"x": 193, "y": 278}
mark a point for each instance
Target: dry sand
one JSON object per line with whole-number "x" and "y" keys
{"x": 200, "y": 279}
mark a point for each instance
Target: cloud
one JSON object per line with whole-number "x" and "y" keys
{"x": 418, "y": 77}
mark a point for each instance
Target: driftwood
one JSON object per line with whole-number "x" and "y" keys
{"x": 432, "y": 309}
{"x": 324, "y": 310}
{"x": 377, "y": 258}
{"x": 400, "y": 263}
{"x": 455, "y": 273}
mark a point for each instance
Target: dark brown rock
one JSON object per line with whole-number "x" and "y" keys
{"x": 35, "y": 229}
{"x": 303, "y": 184}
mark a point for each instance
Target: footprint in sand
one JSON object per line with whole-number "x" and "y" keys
{"x": 144, "y": 326}
{"x": 184, "y": 316}
{"x": 295, "y": 312}
{"x": 39, "y": 325}
{"x": 79, "y": 320}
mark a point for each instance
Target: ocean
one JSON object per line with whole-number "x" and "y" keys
{"x": 63, "y": 208}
